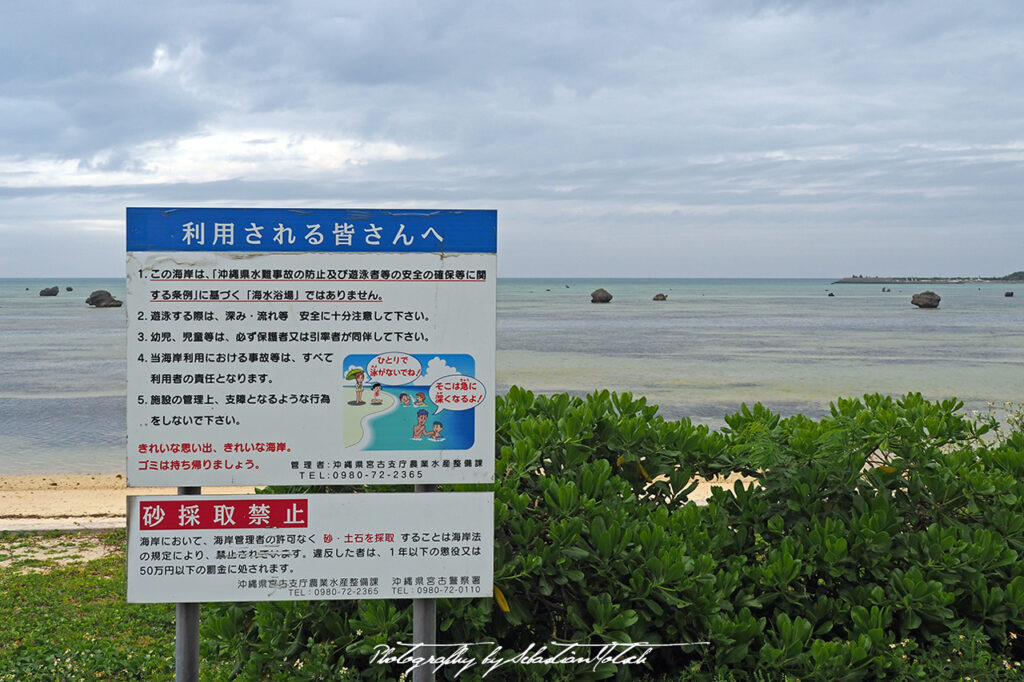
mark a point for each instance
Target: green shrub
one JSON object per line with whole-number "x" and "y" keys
{"x": 871, "y": 539}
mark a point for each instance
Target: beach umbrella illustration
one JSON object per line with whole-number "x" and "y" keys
{"x": 357, "y": 374}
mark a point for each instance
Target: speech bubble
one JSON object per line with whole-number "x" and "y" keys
{"x": 457, "y": 392}
{"x": 394, "y": 369}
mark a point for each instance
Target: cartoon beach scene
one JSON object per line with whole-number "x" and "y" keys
{"x": 401, "y": 401}
{"x": 356, "y": 407}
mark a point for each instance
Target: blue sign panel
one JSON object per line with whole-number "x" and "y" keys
{"x": 316, "y": 230}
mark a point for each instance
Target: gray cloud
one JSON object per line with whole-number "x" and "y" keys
{"x": 662, "y": 138}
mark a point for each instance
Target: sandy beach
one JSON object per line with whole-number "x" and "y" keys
{"x": 74, "y": 502}
{"x": 82, "y": 502}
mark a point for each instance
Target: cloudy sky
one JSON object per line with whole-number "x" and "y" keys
{"x": 681, "y": 139}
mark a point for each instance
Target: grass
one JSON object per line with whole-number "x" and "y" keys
{"x": 65, "y": 618}
{"x": 63, "y": 615}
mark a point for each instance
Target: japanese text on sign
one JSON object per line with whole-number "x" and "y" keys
{"x": 330, "y": 546}
{"x": 245, "y": 365}
{"x": 206, "y": 514}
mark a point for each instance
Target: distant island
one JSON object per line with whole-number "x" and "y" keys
{"x": 861, "y": 279}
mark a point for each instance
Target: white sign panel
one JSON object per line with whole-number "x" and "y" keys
{"x": 201, "y": 548}
{"x": 316, "y": 347}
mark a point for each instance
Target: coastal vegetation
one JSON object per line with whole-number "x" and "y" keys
{"x": 64, "y": 617}
{"x": 882, "y": 541}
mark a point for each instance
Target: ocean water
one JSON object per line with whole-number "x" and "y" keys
{"x": 62, "y": 378}
{"x": 712, "y": 345}
{"x": 717, "y": 343}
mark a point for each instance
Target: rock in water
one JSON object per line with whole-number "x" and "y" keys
{"x": 101, "y": 298}
{"x": 69, "y": 288}
{"x": 660, "y": 297}
{"x": 1008, "y": 294}
{"x": 926, "y": 299}
{"x": 49, "y": 291}
{"x": 600, "y": 296}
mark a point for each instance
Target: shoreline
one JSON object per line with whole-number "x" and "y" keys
{"x": 40, "y": 502}
{"x": 74, "y": 501}
{"x": 924, "y": 280}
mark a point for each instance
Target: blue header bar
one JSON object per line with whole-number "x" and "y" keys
{"x": 316, "y": 229}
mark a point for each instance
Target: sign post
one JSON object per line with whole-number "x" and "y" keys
{"x": 424, "y": 619}
{"x": 186, "y": 628}
{"x": 309, "y": 347}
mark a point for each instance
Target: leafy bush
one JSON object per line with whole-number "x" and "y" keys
{"x": 867, "y": 544}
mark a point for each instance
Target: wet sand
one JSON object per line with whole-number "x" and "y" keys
{"x": 70, "y": 502}
{"x": 79, "y": 502}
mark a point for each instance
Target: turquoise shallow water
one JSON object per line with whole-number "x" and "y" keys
{"x": 712, "y": 345}
{"x": 392, "y": 430}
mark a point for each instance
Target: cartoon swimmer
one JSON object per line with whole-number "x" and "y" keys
{"x": 420, "y": 428}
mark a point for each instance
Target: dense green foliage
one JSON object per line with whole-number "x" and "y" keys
{"x": 883, "y": 541}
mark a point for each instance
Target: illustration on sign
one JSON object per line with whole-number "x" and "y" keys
{"x": 402, "y": 401}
